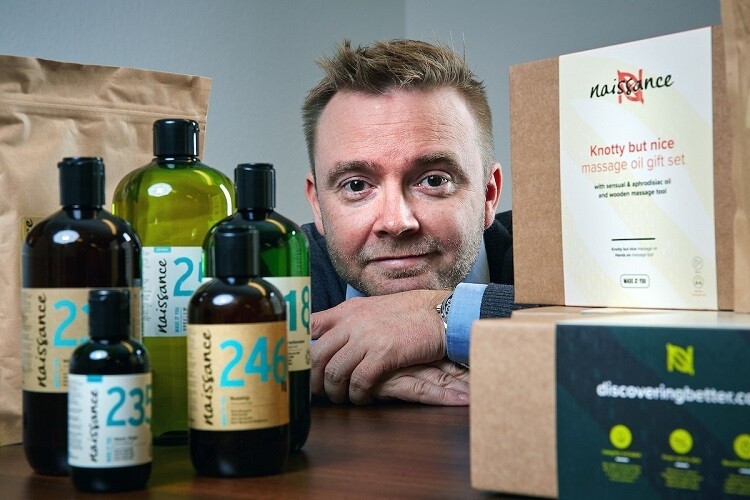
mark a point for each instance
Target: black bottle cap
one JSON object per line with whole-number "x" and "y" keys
{"x": 255, "y": 186}
{"x": 235, "y": 252}
{"x": 81, "y": 181}
{"x": 176, "y": 137}
{"x": 109, "y": 314}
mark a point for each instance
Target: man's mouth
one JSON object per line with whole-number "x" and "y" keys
{"x": 400, "y": 262}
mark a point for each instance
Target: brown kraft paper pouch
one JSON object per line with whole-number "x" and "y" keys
{"x": 50, "y": 110}
{"x": 735, "y": 16}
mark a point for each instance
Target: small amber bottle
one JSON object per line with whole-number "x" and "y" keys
{"x": 109, "y": 401}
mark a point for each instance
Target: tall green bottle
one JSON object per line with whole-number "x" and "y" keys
{"x": 285, "y": 263}
{"x": 171, "y": 203}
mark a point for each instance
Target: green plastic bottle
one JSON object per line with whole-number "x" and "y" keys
{"x": 171, "y": 203}
{"x": 284, "y": 262}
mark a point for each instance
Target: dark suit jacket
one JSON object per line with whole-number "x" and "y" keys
{"x": 329, "y": 290}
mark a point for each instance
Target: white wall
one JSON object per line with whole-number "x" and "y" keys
{"x": 260, "y": 54}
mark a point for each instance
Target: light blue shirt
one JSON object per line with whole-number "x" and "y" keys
{"x": 464, "y": 310}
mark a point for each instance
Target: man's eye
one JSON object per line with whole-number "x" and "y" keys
{"x": 355, "y": 186}
{"x": 434, "y": 180}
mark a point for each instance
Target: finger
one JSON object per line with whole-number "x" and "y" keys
{"x": 415, "y": 390}
{"x": 363, "y": 379}
{"x": 455, "y": 370}
{"x": 425, "y": 384}
{"x": 445, "y": 374}
{"x": 367, "y": 370}
{"x": 321, "y": 353}
{"x": 369, "y": 366}
{"x": 338, "y": 373}
{"x": 319, "y": 323}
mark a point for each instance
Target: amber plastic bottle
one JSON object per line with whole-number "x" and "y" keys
{"x": 109, "y": 401}
{"x": 78, "y": 248}
{"x": 285, "y": 263}
{"x": 238, "y": 399}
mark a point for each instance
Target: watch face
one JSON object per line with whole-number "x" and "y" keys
{"x": 445, "y": 306}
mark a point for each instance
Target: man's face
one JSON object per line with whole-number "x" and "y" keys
{"x": 400, "y": 192}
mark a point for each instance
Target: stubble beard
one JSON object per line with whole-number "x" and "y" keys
{"x": 444, "y": 277}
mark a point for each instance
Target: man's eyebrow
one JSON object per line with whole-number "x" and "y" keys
{"x": 345, "y": 168}
{"x": 442, "y": 158}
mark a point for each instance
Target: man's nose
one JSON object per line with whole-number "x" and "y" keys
{"x": 396, "y": 215}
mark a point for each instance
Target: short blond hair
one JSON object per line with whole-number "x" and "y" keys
{"x": 398, "y": 64}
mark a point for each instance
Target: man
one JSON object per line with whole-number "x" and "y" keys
{"x": 404, "y": 188}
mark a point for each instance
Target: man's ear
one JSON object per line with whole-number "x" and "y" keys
{"x": 492, "y": 194}
{"x": 311, "y": 192}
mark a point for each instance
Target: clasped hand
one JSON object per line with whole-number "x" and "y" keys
{"x": 386, "y": 347}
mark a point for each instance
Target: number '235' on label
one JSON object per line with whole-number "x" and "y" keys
{"x": 170, "y": 277}
{"x": 109, "y": 420}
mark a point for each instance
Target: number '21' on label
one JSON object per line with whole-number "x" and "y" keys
{"x": 54, "y": 321}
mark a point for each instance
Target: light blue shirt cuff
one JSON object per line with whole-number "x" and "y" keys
{"x": 465, "y": 306}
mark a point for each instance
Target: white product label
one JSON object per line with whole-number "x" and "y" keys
{"x": 109, "y": 420}
{"x": 296, "y": 292}
{"x": 170, "y": 276}
{"x": 636, "y": 174}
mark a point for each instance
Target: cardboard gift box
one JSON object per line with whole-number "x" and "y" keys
{"x": 631, "y": 403}
{"x": 538, "y": 213}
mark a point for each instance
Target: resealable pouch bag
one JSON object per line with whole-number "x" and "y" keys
{"x": 50, "y": 110}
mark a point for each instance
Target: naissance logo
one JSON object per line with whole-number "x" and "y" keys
{"x": 681, "y": 359}
{"x": 630, "y": 85}
{"x": 633, "y": 92}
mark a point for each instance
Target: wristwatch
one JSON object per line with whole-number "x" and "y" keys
{"x": 443, "y": 308}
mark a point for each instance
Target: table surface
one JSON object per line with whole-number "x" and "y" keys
{"x": 396, "y": 451}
